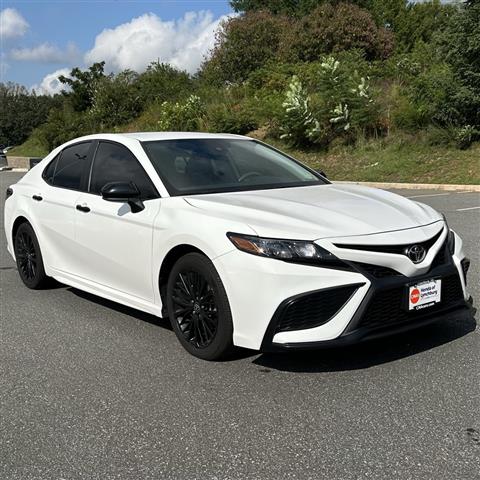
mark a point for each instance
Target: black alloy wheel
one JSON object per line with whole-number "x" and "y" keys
{"x": 198, "y": 307}
{"x": 29, "y": 258}
{"x": 195, "y": 308}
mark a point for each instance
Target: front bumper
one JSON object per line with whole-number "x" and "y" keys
{"x": 383, "y": 311}
{"x": 259, "y": 289}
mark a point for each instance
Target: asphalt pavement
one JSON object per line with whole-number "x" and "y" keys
{"x": 93, "y": 390}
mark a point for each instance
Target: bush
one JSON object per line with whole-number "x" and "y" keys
{"x": 230, "y": 119}
{"x": 330, "y": 29}
{"x": 186, "y": 116}
{"x": 342, "y": 105}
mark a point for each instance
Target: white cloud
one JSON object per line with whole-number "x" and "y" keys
{"x": 182, "y": 43}
{"x": 46, "y": 53}
{"x": 12, "y": 24}
{"x": 50, "y": 85}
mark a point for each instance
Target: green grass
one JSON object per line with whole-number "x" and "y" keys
{"x": 33, "y": 147}
{"x": 407, "y": 159}
{"x": 398, "y": 161}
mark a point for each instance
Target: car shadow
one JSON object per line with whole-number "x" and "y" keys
{"x": 371, "y": 353}
{"x": 355, "y": 357}
{"x": 118, "y": 307}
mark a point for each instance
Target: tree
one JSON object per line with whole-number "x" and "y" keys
{"x": 296, "y": 8}
{"x": 162, "y": 82}
{"x": 459, "y": 44}
{"x": 21, "y": 111}
{"x": 331, "y": 28}
{"x": 116, "y": 99}
{"x": 244, "y": 44}
{"x": 82, "y": 85}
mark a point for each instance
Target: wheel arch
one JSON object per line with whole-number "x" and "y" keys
{"x": 167, "y": 264}
{"x": 17, "y": 222}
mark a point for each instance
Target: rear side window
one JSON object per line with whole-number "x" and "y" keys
{"x": 67, "y": 169}
{"x": 115, "y": 163}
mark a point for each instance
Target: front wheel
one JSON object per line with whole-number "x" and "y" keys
{"x": 198, "y": 308}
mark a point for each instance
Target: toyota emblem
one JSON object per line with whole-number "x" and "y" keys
{"x": 416, "y": 253}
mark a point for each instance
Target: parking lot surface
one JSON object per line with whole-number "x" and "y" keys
{"x": 91, "y": 389}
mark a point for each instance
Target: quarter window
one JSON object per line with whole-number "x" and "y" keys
{"x": 115, "y": 163}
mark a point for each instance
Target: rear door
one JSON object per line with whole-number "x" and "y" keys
{"x": 115, "y": 245}
{"x": 53, "y": 205}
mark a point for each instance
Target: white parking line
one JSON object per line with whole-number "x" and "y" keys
{"x": 429, "y": 195}
{"x": 469, "y": 208}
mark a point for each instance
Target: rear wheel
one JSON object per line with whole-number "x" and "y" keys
{"x": 29, "y": 258}
{"x": 198, "y": 308}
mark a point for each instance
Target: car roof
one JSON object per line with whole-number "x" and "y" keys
{"x": 155, "y": 136}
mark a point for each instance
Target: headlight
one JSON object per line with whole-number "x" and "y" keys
{"x": 299, "y": 251}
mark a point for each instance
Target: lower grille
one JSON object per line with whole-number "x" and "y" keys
{"x": 376, "y": 271}
{"x": 388, "y": 306}
{"x": 314, "y": 309}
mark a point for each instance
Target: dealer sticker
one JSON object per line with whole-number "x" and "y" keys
{"x": 424, "y": 294}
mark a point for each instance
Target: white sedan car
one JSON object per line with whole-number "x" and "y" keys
{"x": 235, "y": 242}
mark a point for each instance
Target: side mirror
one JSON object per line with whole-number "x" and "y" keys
{"x": 322, "y": 173}
{"x": 123, "y": 192}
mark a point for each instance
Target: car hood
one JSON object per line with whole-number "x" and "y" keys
{"x": 316, "y": 212}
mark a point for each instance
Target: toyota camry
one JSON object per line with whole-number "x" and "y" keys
{"x": 236, "y": 243}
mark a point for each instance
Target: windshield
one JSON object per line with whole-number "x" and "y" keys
{"x": 212, "y": 165}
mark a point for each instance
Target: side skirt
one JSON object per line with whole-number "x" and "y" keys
{"x": 105, "y": 292}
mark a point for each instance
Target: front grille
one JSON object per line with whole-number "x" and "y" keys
{"x": 397, "y": 249}
{"x": 388, "y": 306}
{"x": 376, "y": 271}
{"x": 314, "y": 309}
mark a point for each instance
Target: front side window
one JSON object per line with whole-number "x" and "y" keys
{"x": 115, "y": 163}
{"x": 67, "y": 168}
{"x": 189, "y": 166}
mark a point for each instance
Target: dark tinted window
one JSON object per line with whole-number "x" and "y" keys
{"x": 49, "y": 172}
{"x": 217, "y": 165}
{"x": 115, "y": 163}
{"x": 69, "y": 167}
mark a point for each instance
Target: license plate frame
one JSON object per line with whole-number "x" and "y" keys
{"x": 423, "y": 294}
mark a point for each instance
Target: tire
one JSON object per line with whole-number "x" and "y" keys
{"x": 29, "y": 258}
{"x": 198, "y": 308}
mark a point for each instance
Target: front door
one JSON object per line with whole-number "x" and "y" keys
{"x": 115, "y": 245}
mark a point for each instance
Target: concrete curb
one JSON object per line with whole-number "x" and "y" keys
{"x": 417, "y": 186}
{"x": 12, "y": 169}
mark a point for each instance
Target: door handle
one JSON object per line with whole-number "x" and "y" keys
{"x": 83, "y": 208}
{"x": 38, "y": 198}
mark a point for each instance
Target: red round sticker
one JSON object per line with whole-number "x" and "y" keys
{"x": 415, "y": 295}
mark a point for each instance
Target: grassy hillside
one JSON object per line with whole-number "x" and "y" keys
{"x": 398, "y": 159}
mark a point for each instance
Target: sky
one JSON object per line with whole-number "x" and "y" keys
{"x": 41, "y": 39}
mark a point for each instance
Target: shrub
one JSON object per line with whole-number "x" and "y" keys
{"x": 342, "y": 105}
{"x": 298, "y": 119}
{"x": 230, "y": 119}
{"x": 186, "y": 116}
